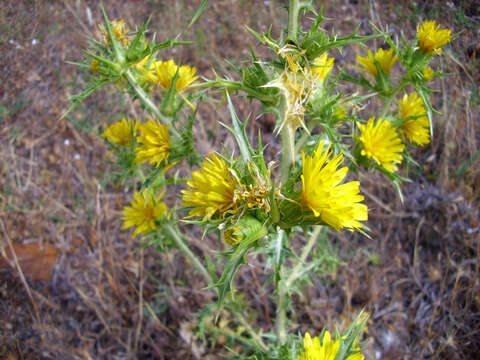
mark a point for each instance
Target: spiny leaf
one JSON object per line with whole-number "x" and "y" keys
{"x": 198, "y": 13}
{"x": 237, "y": 259}
{"x": 77, "y": 99}
{"x": 240, "y": 134}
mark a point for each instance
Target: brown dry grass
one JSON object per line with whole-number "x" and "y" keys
{"x": 419, "y": 275}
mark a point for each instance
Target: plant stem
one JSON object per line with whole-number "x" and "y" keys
{"x": 293, "y": 15}
{"x": 281, "y": 320}
{"x": 288, "y": 152}
{"x": 285, "y": 284}
{"x": 392, "y": 97}
{"x": 233, "y": 335}
{"x": 301, "y": 263}
{"x": 288, "y": 156}
{"x": 147, "y": 102}
{"x": 183, "y": 247}
{"x": 256, "y": 338}
{"x": 235, "y": 85}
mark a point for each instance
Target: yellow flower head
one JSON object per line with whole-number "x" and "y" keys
{"x": 385, "y": 59}
{"x": 316, "y": 351}
{"x": 322, "y": 65}
{"x": 212, "y": 189}
{"x": 327, "y": 350}
{"x": 162, "y": 73}
{"x": 155, "y": 143}
{"x": 95, "y": 66}
{"x": 428, "y": 73}
{"x": 254, "y": 195}
{"x": 120, "y": 30}
{"x": 417, "y": 129}
{"x": 232, "y": 236}
{"x": 381, "y": 143}
{"x": 121, "y": 132}
{"x": 340, "y": 112}
{"x": 431, "y": 38}
{"x": 336, "y": 204}
{"x": 143, "y": 212}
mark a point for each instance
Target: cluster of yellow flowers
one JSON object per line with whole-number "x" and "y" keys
{"x": 380, "y": 140}
{"x": 154, "y": 148}
{"x": 241, "y": 199}
{"x": 216, "y": 190}
{"x": 154, "y": 139}
{"x": 213, "y": 190}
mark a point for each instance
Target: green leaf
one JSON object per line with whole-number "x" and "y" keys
{"x": 235, "y": 259}
{"x": 117, "y": 48}
{"x": 77, "y": 99}
{"x": 169, "y": 43}
{"x": 198, "y": 13}
{"x": 349, "y": 338}
{"x": 240, "y": 133}
{"x": 359, "y": 81}
{"x": 422, "y": 91}
{"x": 278, "y": 255}
{"x": 317, "y": 43}
{"x": 137, "y": 49}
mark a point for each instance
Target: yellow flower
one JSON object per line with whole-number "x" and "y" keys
{"x": 232, "y": 236}
{"x": 316, "y": 351}
{"x": 417, "y": 129}
{"x": 337, "y": 205}
{"x": 95, "y": 66}
{"x": 381, "y": 143}
{"x": 143, "y": 212}
{"x": 121, "y": 132}
{"x": 340, "y": 112}
{"x": 428, "y": 73}
{"x": 155, "y": 141}
{"x": 327, "y": 350}
{"x": 385, "y": 60}
{"x": 431, "y": 38}
{"x": 161, "y": 73}
{"x": 120, "y": 30}
{"x": 212, "y": 189}
{"x": 322, "y": 65}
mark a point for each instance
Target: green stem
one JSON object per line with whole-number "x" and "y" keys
{"x": 288, "y": 152}
{"x": 392, "y": 97}
{"x": 183, "y": 247}
{"x": 285, "y": 284}
{"x": 298, "y": 269}
{"x": 147, "y": 102}
{"x": 235, "y": 85}
{"x": 288, "y": 156}
{"x": 281, "y": 320}
{"x": 293, "y": 16}
{"x": 230, "y": 333}
{"x": 256, "y": 338}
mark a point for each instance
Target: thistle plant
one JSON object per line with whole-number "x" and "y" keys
{"x": 259, "y": 207}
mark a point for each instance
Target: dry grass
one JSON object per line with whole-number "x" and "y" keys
{"x": 419, "y": 275}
